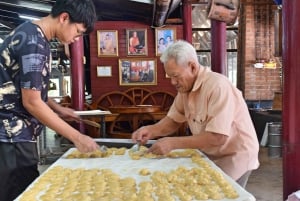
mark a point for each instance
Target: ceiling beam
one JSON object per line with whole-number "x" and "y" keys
{"x": 6, "y": 24}
{"x": 161, "y": 11}
{"x": 41, "y": 7}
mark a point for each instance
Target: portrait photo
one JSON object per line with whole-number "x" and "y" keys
{"x": 137, "y": 72}
{"x": 136, "y": 42}
{"x": 107, "y": 42}
{"x": 164, "y": 37}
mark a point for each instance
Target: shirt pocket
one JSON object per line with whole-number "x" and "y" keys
{"x": 197, "y": 122}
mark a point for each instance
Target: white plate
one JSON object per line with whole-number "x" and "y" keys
{"x": 92, "y": 112}
{"x": 144, "y": 105}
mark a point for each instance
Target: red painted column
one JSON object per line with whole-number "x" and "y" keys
{"x": 187, "y": 22}
{"x": 77, "y": 76}
{"x": 291, "y": 97}
{"x": 218, "y": 47}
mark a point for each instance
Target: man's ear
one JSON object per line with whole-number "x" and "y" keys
{"x": 63, "y": 17}
{"x": 193, "y": 67}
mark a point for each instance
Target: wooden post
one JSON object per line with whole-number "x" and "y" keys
{"x": 218, "y": 47}
{"x": 77, "y": 77}
{"x": 291, "y": 98}
{"x": 187, "y": 22}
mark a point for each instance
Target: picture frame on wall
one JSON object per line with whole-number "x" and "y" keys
{"x": 163, "y": 38}
{"x": 137, "y": 71}
{"x": 107, "y": 41}
{"x": 137, "y": 42}
{"x": 104, "y": 71}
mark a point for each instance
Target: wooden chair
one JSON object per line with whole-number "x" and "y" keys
{"x": 111, "y": 99}
{"x": 137, "y": 94}
{"x": 165, "y": 100}
{"x": 123, "y": 125}
{"x": 66, "y": 101}
{"x": 162, "y": 98}
{"x": 91, "y": 125}
{"x": 120, "y": 127}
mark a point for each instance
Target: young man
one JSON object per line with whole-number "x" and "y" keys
{"x": 215, "y": 111}
{"x": 25, "y": 66}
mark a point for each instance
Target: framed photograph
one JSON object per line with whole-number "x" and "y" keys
{"x": 103, "y": 71}
{"x": 136, "y": 42}
{"x": 107, "y": 41}
{"x": 163, "y": 38}
{"x": 137, "y": 72}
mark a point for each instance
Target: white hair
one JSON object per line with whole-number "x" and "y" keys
{"x": 181, "y": 51}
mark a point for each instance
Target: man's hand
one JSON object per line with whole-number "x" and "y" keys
{"x": 65, "y": 113}
{"x": 85, "y": 144}
{"x": 142, "y": 135}
{"x": 68, "y": 114}
{"x": 163, "y": 146}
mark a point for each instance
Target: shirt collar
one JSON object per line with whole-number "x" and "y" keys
{"x": 201, "y": 77}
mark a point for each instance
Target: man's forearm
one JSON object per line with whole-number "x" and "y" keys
{"x": 53, "y": 105}
{"x": 165, "y": 127}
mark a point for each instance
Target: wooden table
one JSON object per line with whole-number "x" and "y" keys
{"x": 98, "y": 114}
{"x": 134, "y": 112}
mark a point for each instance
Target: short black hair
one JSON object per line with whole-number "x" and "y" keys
{"x": 80, "y": 11}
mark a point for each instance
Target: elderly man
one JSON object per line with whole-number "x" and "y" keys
{"x": 215, "y": 111}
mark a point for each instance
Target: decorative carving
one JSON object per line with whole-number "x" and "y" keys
{"x": 161, "y": 11}
{"x": 224, "y": 10}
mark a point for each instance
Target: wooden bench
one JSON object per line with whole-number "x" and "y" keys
{"x": 131, "y": 96}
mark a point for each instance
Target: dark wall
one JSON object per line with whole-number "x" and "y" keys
{"x": 101, "y": 85}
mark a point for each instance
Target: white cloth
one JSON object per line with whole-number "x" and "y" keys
{"x": 294, "y": 196}
{"x": 264, "y": 139}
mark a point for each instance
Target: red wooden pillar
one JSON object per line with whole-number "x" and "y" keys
{"x": 77, "y": 76}
{"x": 291, "y": 97}
{"x": 218, "y": 47}
{"x": 187, "y": 23}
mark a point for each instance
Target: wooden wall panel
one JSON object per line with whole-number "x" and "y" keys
{"x": 101, "y": 85}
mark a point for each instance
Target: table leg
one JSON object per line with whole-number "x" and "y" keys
{"x": 135, "y": 122}
{"x": 103, "y": 128}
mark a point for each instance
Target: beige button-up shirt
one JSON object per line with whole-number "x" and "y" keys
{"x": 215, "y": 105}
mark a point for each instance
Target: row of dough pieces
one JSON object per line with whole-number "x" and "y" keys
{"x": 201, "y": 183}
{"x": 135, "y": 155}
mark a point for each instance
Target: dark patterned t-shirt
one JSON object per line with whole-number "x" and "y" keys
{"x": 25, "y": 60}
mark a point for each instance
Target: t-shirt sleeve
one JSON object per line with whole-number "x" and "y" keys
{"x": 33, "y": 61}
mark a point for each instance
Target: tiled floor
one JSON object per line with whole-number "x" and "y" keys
{"x": 265, "y": 183}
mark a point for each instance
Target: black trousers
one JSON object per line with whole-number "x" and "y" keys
{"x": 18, "y": 168}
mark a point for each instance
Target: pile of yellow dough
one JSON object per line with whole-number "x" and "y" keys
{"x": 185, "y": 184}
{"x": 137, "y": 155}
